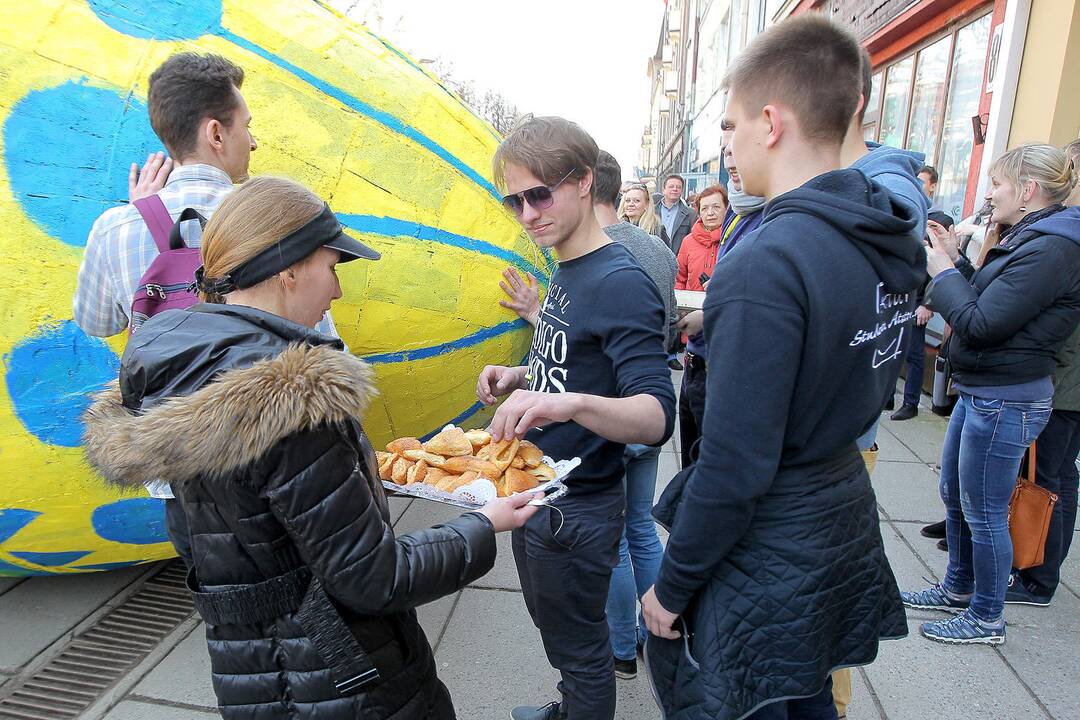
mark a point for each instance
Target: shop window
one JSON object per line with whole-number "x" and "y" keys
{"x": 965, "y": 87}
{"x": 894, "y": 110}
{"x": 927, "y": 101}
{"x": 872, "y": 112}
{"x": 928, "y": 98}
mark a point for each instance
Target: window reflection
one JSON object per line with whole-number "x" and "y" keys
{"x": 928, "y": 98}
{"x": 965, "y": 88}
{"x": 894, "y": 112}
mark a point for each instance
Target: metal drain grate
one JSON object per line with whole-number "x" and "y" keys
{"x": 94, "y": 660}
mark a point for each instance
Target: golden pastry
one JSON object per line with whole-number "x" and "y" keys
{"x": 517, "y": 462}
{"x": 430, "y": 458}
{"x": 515, "y": 481}
{"x": 400, "y": 445}
{"x": 530, "y": 454}
{"x": 416, "y": 473}
{"x": 472, "y": 464}
{"x": 478, "y": 438}
{"x": 401, "y": 468}
{"x": 386, "y": 464}
{"x": 451, "y": 442}
{"x": 501, "y": 453}
{"x": 542, "y": 472}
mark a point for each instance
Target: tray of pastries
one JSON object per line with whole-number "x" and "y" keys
{"x": 466, "y": 468}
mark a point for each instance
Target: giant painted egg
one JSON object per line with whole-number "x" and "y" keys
{"x": 404, "y": 164}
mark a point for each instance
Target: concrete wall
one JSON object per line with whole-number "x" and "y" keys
{"x": 1048, "y": 93}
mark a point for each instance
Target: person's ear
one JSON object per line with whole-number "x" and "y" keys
{"x": 287, "y": 277}
{"x": 585, "y": 183}
{"x": 214, "y": 133}
{"x": 774, "y": 121}
{"x": 1030, "y": 186}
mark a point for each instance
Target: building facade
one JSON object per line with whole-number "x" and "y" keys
{"x": 959, "y": 80}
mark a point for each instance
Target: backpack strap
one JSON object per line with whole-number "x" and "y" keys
{"x": 157, "y": 218}
{"x": 175, "y": 240}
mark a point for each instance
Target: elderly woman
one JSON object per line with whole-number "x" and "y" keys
{"x": 254, "y": 418}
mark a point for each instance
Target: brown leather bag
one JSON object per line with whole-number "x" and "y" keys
{"x": 1029, "y": 518}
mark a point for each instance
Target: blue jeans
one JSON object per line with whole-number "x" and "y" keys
{"x": 984, "y": 445}
{"x": 640, "y": 552}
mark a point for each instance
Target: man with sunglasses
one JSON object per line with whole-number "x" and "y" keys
{"x": 596, "y": 380}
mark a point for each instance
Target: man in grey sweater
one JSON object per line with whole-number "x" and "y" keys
{"x": 640, "y": 551}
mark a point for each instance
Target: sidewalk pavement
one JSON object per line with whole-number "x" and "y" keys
{"x": 490, "y": 655}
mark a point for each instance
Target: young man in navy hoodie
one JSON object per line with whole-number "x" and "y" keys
{"x": 597, "y": 379}
{"x": 775, "y": 573}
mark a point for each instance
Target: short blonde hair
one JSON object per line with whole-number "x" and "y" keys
{"x": 1048, "y": 166}
{"x": 254, "y": 217}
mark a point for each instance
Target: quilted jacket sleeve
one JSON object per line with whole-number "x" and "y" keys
{"x": 317, "y": 487}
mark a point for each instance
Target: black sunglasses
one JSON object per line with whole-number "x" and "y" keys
{"x": 539, "y": 197}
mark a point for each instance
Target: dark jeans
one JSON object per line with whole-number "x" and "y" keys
{"x": 565, "y": 575}
{"x": 816, "y": 707}
{"x": 176, "y": 527}
{"x": 691, "y": 406}
{"x": 916, "y": 360}
{"x": 1055, "y": 470}
{"x": 984, "y": 444}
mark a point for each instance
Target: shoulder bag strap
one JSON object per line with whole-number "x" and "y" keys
{"x": 157, "y": 219}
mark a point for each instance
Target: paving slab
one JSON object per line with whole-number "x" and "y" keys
{"x": 184, "y": 675}
{"x": 423, "y": 514}
{"x": 398, "y": 505}
{"x": 504, "y": 575}
{"x": 907, "y": 491}
{"x": 908, "y": 567}
{"x": 923, "y": 434}
{"x": 434, "y": 616}
{"x": 7, "y": 583}
{"x": 862, "y": 705}
{"x": 890, "y": 448}
{"x": 134, "y": 710}
{"x": 37, "y": 611}
{"x": 491, "y": 657}
{"x": 1046, "y": 660}
{"x": 917, "y": 678}
{"x": 667, "y": 466}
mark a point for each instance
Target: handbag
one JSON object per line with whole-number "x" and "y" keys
{"x": 1030, "y": 510}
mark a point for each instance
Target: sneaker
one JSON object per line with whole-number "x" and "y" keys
{"x": 964, "y": 629}
{"x": 906, "y": 412}
{"x": 626, "y": 669}
{"x": 943, "y": 545}
{"x": 674, "y": 364}
{"x": 551, "y": 711}
{"x": 1019, "y": 594}
{"x": 933, "y": 598}
{"x": 933, "y": 530}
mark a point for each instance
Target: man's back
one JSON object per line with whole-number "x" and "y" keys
{"x": 120, "y": 248}
{"x": 654, "y": 257}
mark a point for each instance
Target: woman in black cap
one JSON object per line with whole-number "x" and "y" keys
{"x": 254, "y": 418}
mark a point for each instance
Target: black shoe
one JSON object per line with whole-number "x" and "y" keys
{"x": 943, "y": 545}
{"x": 891, "y": 404}
{"x": 674, "y": 364}
{"x": 626, "y": 669}
{"x": 1019, "y": 594}
{"x": 906, "y": 412}
{"x": 551, "y": 711}
{"x": 934, "y": 530}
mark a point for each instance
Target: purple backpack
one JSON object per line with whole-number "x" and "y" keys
{"x": 169, "y": 282}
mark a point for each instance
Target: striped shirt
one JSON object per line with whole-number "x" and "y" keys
{"x": 120, "y": 249}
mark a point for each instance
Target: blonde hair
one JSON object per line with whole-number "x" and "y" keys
{"x": 254, "y": 217}
{"x": 1049, "y": 167}
{"x": 648, "y": 221}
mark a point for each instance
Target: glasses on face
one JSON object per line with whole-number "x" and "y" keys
{"x": 540, "y": 197}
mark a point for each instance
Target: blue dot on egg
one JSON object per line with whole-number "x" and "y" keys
{"x": 50, "y": 377}
{"x": 135, "y": 521}
{"x": 68, "y": 149}
{"x": 172, "y": 20}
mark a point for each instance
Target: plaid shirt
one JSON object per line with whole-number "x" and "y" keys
{"x": 120, "y": 249}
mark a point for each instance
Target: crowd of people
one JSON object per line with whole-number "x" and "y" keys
{"x": 822, "y": 260}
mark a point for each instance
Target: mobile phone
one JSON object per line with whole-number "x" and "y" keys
{"x": 703, "y": 278}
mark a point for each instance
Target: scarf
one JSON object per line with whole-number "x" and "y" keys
{"x": 742, "y": 203}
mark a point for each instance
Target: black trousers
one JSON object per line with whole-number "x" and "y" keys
{"x": 176, "y": 527}
{"x": 1055, "y": 470}
{"x": 916, "y": 360}
{"x": 565, "y": 565}
{"x": 691, "y": 407}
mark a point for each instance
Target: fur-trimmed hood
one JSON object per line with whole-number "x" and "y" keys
{"x": 228, "y": 423}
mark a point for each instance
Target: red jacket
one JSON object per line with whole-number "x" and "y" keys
{"x": 697, "y": 255}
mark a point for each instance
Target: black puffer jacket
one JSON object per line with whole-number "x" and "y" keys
{"x": 1016, "y": 312}
{"x": 307, "y": 595}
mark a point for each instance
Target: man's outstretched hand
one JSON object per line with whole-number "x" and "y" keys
{"x": 151, "y": 178}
